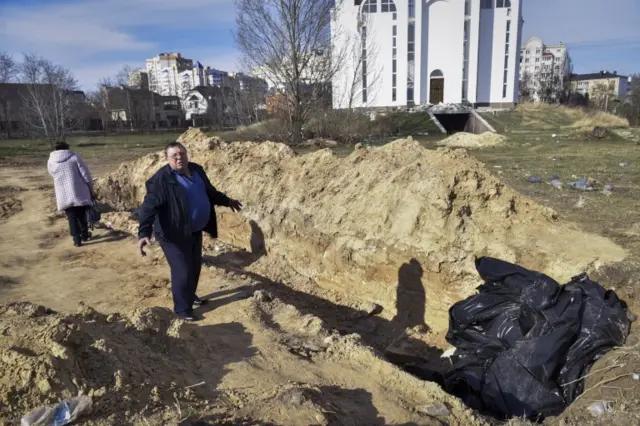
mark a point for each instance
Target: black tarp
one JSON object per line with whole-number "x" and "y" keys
{"x": 524, "y": 342}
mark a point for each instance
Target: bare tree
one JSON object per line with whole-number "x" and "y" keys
{"x": 48, "y": 102}
{"x": 631, "y": 106}
{"x": 601, "y": 96}
{"x": 8, "y": 68}
{"x": 121, "y": 78}
{"x": 525, "y": 87}
{"x": 290, "y": 42}
{"x": 362, "y": 75}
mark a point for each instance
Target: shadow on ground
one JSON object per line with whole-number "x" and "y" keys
{"x": 375, "y": 331}
{"x": 337, "y": 406}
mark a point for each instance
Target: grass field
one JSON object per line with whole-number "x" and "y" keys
{"x": 102, "y": 153}
{"x": 532, "y": 150}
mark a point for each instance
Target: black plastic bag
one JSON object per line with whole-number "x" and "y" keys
{"x": 524, "y": 341}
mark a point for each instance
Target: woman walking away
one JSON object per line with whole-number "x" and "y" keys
{"x": 74, "y": 189}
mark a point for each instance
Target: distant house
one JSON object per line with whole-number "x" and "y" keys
{"x": 205, "y": 106}
{"x": 601, "y": 84}
{"x": 140, "y": 109}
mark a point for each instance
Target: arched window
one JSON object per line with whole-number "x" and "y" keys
{"x": 436, "y": 73}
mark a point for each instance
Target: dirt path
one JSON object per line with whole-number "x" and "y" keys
{"x": 42, "y": 266}
{"x": 252, "y": 357}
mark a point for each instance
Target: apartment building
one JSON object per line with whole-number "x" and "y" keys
{"x": 543, "y": 65}
{"x": 170, "y": 74}
{"x": 429, "y": 51}
{"x": 600, "y": 84}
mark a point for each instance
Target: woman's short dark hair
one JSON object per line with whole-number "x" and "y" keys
{"x": 61, "y": 146}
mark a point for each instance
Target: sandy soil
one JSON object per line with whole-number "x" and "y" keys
{"x": 254, "y": 359}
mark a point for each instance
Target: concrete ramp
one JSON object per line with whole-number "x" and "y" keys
{"x": 454, "y": 118}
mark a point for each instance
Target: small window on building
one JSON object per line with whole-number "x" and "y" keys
{"x": 394, "y": 16}
{"x": 504, "y": 91}
{"x": 393, "y": 95}
{"x": 499, "y": 3}
{"x": 394, "y": 31}
{"x": 486, "y": 4}
{"x": 412, "y": 9}
{"x": 370, "y": 6}
{"x": 387, "y": 6}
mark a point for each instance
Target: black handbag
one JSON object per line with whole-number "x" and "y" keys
{"x": 93, "y": 215}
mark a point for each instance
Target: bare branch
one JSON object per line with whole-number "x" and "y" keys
{"x": 288, "y": 42}
{"x": 8, "y": 68}
{"x": 49, "y": 101}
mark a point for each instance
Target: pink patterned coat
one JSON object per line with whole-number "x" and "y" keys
{"x": 71, "y": 179}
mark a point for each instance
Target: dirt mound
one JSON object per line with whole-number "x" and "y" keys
{"x": 397, "y": 225}
{"x": 114, "y": 359}
{"x": 470, "y": 140}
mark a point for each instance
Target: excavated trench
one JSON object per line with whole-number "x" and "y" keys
{"x": 380, "y": 243}
{"x": 397, "y": 225}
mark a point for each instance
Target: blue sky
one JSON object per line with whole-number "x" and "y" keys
{"x": 95, "y": 38}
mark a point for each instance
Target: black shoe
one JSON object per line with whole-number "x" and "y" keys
{"x": 188, "y": 317}
{"x": 87, "y": 236}
{"x": 77, "y": 242}
{"x": 200, "y": 302}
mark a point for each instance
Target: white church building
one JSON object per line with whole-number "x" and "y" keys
{"x": 419, "y": 51}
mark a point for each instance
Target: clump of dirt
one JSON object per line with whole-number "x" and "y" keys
{"x": 10, "y": 204}
{"x": 9, "y": 207}
{"x": 120, "y": 221}
{"x": 470, "y": 140}
{"x": 398, "y": 225}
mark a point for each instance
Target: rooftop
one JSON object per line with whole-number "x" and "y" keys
{"x": 596, "y": 76}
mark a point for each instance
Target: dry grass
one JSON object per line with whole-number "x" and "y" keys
{"x": 537, "y": 117}
{"x": 601, "y": 119}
